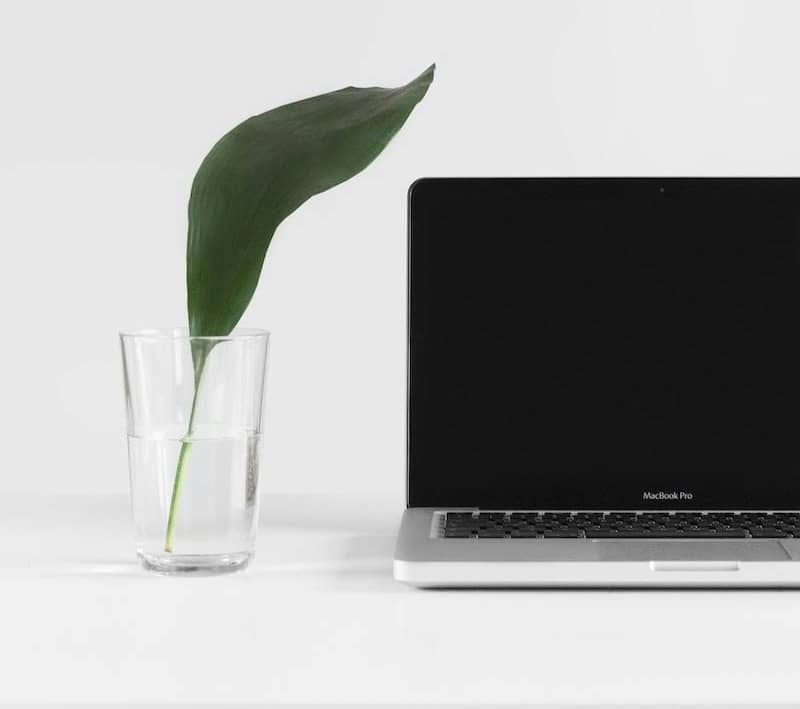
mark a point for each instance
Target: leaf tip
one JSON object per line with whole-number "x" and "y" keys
{"x": 422, "y": 82}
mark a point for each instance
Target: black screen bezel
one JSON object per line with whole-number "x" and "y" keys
{"x": 420, "y": 493}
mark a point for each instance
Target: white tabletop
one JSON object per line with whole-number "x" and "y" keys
{"x": 317, "y": 618}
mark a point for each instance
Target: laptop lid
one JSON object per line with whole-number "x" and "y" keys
{"x": 604, "y": 343}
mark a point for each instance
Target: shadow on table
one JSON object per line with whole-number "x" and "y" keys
{"x": 119, "y": 568}
{"x": 367, "y": 565}
{"x": 326, "y": 513}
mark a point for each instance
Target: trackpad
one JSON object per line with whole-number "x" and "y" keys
{"x": 691, "y": 550}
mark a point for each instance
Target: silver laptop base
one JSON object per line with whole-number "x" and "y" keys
{"x": 424, "y": 559}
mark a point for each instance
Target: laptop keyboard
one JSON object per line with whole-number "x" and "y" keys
{"x": 622, "y": 525}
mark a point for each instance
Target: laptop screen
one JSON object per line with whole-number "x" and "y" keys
{"x": 604, "y": 343}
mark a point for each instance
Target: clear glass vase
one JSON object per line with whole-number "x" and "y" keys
{"x": 194, "y": 409}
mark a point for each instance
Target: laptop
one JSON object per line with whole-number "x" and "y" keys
{"x": 603, "y": 383}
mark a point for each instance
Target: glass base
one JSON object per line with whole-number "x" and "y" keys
{"x": 195, "y": 564}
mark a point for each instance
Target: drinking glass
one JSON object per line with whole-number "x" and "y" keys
{"x": 194, "y": 410}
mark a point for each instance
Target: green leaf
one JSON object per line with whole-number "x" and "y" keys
{"x": 255, "y": 177}
{"x": 263, "y": 170}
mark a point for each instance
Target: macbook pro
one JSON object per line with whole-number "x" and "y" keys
{"x": 603, "y": 383}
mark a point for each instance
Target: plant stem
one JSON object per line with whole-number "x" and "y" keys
{"x": 199, "y": 358}
{"x": 177, "y": 484}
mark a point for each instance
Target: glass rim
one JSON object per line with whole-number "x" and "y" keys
{"x": 182, "y": 333}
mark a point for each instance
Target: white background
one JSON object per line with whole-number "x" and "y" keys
{"x": 106, "y": 109}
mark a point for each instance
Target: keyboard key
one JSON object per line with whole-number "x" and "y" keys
{"x": 457, "y": 534}
{"x": 562, "y": 533}
{"x": 492, "y": 516}
{"x": 524, "y": 534}
{"x": 600, "y": 532}
{"x": 767, "y": 532}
